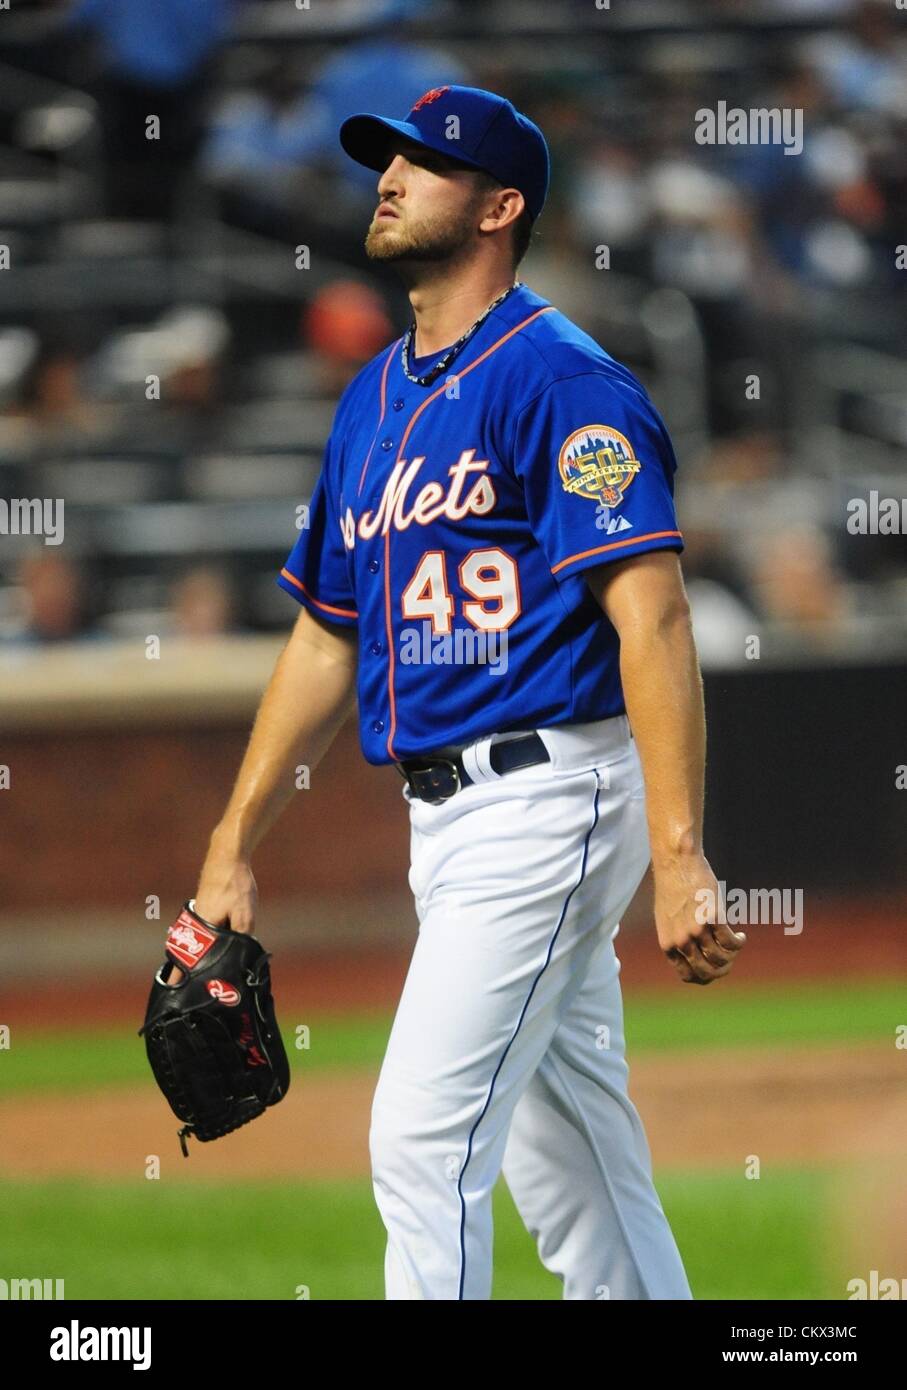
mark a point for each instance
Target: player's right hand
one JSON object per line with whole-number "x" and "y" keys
{"x": 226, "y": 893}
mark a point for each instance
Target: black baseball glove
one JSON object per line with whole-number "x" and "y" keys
{"x": 212, "y": 1039}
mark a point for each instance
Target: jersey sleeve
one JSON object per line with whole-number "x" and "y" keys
{"x": 597, "y": 469}
{"x": 316, "y": 571}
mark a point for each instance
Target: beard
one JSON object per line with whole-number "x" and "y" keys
{"x": 433, "y": 239}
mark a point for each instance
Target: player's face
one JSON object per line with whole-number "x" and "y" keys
{"x": 436, "y": 202}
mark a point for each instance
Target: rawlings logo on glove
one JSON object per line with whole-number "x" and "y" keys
{"x": 188, "y": 940}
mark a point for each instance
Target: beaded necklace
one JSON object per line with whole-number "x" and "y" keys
{"x": 458, "y": 346}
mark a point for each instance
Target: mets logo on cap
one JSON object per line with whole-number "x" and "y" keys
{"x": 431, "y": 95}
{"x": 597, "y": 462}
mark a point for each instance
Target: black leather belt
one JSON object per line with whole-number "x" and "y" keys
{"x": 441, "y": 775}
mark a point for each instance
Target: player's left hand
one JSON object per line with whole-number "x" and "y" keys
{"x": 687, "y": 911}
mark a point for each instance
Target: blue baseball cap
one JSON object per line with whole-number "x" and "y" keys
{"x": 489, "y": 133}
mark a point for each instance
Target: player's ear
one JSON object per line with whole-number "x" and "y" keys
{"x": 502, "y": 209}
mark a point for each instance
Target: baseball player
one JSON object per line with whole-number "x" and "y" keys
{"x": 491, "y": 567}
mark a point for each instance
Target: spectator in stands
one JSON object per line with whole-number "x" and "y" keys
{"x": 54, "y": 601}
{"x": 867, "y": 67}
{"x": 345, "y": 324}
{"x": 52, "y": 395}
{"x": 156, "y": 61}
{"x": 266, "y": 140}
{"x": 202, "y": 603}
{"x": 797, "y": 582}
{"x": 722, "y": 613}
{"x": 722, "y": 625}
{"x": 182, "y": 354}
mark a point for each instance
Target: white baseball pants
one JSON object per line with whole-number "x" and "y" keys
{"x": 507, "y": 1048}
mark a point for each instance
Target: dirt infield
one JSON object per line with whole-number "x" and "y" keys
{"x": 806, "y": 1105}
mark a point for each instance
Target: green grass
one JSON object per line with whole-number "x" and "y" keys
{"x": 108, "y": 1056}
{"x": 755, "y": 1239}
{"x": 168, "y": 1240}
{"x": 779, "y": 1015}
{"x": 770, "y": 1017}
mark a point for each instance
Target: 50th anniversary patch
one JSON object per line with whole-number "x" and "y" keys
{"x": 597, "y": 462}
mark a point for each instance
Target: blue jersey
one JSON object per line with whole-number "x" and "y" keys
{"x": 452, "y": 523}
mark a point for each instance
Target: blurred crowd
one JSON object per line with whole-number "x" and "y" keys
{"x": 758, "y": 293}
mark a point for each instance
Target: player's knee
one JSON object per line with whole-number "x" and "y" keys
{"x": 389, "y": 1136}
{"x": 400, "y": 1139}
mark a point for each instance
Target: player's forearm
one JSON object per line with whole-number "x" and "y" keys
{"x": 309, "y": 696}
{"x": 663, "y": 695}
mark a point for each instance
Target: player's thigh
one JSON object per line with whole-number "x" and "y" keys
{"x": 617, "y": 858}
{"x": 502, "y": 935}
{"x": 580, "y": 1087}
{"x": 467, "y": 1017}
{"x": 619, "y": 848}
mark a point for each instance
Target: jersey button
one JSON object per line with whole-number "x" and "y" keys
{"x": 375, "y": 649}
{"x": 373, "y": 567}
{"x": 377, "y": 726}
{"x": 399, "y": 403}
{"x": 387, "y": 443}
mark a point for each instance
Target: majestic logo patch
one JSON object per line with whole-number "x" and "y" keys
{"x": 431, "y": 95}
{"x": 597, "y": 462}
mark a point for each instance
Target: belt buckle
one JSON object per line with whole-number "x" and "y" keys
{"x": 426, "y": 779}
